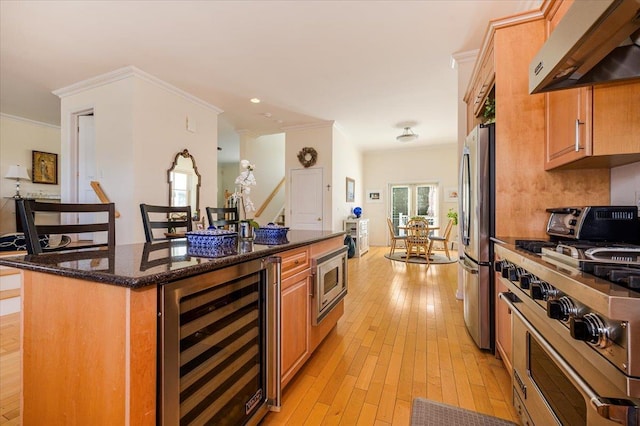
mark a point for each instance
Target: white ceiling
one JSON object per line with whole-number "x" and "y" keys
{"x": 371, "y": 66}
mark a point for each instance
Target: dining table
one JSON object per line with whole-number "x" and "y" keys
{"x": 429, "y": 229}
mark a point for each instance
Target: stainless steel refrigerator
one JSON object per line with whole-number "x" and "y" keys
{"x": 477, "y": 223}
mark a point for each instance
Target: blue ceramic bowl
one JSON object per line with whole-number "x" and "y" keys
{"x": 271, "y": 235}
{"x": 212, "y": 243}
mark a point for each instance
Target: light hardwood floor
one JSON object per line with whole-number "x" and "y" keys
{"x": 402, "y": 337}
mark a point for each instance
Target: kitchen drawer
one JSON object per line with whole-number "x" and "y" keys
{"x": 294, "y": 261}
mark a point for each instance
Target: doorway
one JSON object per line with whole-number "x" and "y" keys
{"x": 306, "y": 199}
{"x": 413, "y": 200}
{"x": 83, "y": 170}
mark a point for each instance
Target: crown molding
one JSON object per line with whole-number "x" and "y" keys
{"x": 27, "y": 120}
{"x": 317, "y": 125}
{"x": 464, "y": 57}
{"x": 127, "y": 72}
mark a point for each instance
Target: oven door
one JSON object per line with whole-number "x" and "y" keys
{"x": 550, "y": 389}
{"x": 330, "y": 283}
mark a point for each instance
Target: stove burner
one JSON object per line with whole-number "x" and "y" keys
{"x": 614, "y": 262}
{"x": 534, "y": 246}
{"x": 627, "y": 277}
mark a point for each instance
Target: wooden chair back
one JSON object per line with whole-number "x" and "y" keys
{"x": 101, "y": 218}
{"x": 225, "y": 217}
{"x": 418, "y": 238}
{"x": 444, "y": 239}
{"x": 394, "y": 238}
{"x": 166, "y": 218}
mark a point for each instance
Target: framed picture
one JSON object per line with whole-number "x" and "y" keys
{"x": 374, "y": 196}
{"x": 44, "y": 167}
{"x": 351, "y": 190}
{"x": 451, "y": 194}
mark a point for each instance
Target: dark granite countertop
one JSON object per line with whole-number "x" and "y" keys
{"x": 144, "y": 264}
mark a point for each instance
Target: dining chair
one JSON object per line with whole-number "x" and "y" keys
{"x": 94, "y": 226}
{"x": 167, "y": 218}
{"x": 225, "y": 217}
{"x": 394, "y": 238}
{"x": 444, "y": 239}
{"x": 417, "y": 239}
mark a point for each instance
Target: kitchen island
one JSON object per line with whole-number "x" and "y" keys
{"x": 90, "y": 323}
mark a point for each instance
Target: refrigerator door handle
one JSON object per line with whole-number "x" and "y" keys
{"x": 468, "y": 268}
{"x": 465, "y": 195}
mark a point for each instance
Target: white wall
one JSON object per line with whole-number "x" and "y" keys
{"x": 18, "y": 138}
{"x": 428, "y": 164}
{"x": 625, "y": 184}
{"x": 268, "y": 154}
{"x": 227, "y": 173}
{"x": 318, "y": 137}
{"x": 140, "y": 124}
{"x": 347, "y": 162}
{"x": 338, "y": 158}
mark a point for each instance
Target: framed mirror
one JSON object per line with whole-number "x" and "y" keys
{"x": 184, "y": 183}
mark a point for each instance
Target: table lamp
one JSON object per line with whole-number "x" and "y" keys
{"x": 17, "y": 172}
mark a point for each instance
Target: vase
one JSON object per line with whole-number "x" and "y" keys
{"x": 245, "y": 231}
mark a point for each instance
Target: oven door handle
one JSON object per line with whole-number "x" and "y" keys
{"x": 622, "y": 411}
{"x": 467, "y": 267}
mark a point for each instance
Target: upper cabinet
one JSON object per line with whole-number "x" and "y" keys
{"x": 523, "y": 188}
{"x": 590, "y": 127}
{"x": 482, "y": 85}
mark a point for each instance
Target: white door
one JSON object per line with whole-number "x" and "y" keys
{"x": 86, "y": 159}
{"x": 87, "y": 172}
{"x": 306, "y": 199}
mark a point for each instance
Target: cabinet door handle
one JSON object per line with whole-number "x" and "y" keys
{"x": 578, "y": 123}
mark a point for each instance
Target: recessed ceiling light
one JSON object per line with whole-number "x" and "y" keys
{"x": 255, "y": 100}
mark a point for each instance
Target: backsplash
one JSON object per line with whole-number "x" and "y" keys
{"x": 625, "y": 184}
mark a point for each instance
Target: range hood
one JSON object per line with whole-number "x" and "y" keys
{"x": 597, "y": 41}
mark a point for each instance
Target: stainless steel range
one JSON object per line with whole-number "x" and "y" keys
{"x": 576, "y": 336}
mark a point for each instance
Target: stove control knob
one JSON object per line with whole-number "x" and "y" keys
{"x": 506, "y": 268}
{"x": 561, "y": 309}
{"x": 541, "y": 290}
{"x": 525, "y": 281}
{"x": 499, "y": 265}
{"x": 513, "y": 273}
{"x": 590, "y": 328}
{"x": 573, "y": 222}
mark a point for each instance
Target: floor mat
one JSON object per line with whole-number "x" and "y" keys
{"x": 435, "y": 258}
{"x": 432, "y": 413}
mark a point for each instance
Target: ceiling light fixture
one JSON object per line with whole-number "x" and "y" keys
{"x": 407, "y": 135}
{"x": 255, "y": 100}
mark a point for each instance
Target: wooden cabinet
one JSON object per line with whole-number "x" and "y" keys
{"x": 359, "y": 231}
{"x": 294, "y": 261}
{"x": 503, "y": 324}
{"x": 299, "y": 337}
{"x": 295, "y": 308}
{"x": 295, "y": 323}
{"x": 590, "y": 127}
{"x": 484, "y": 83}
{"x": 481, "y": 85}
